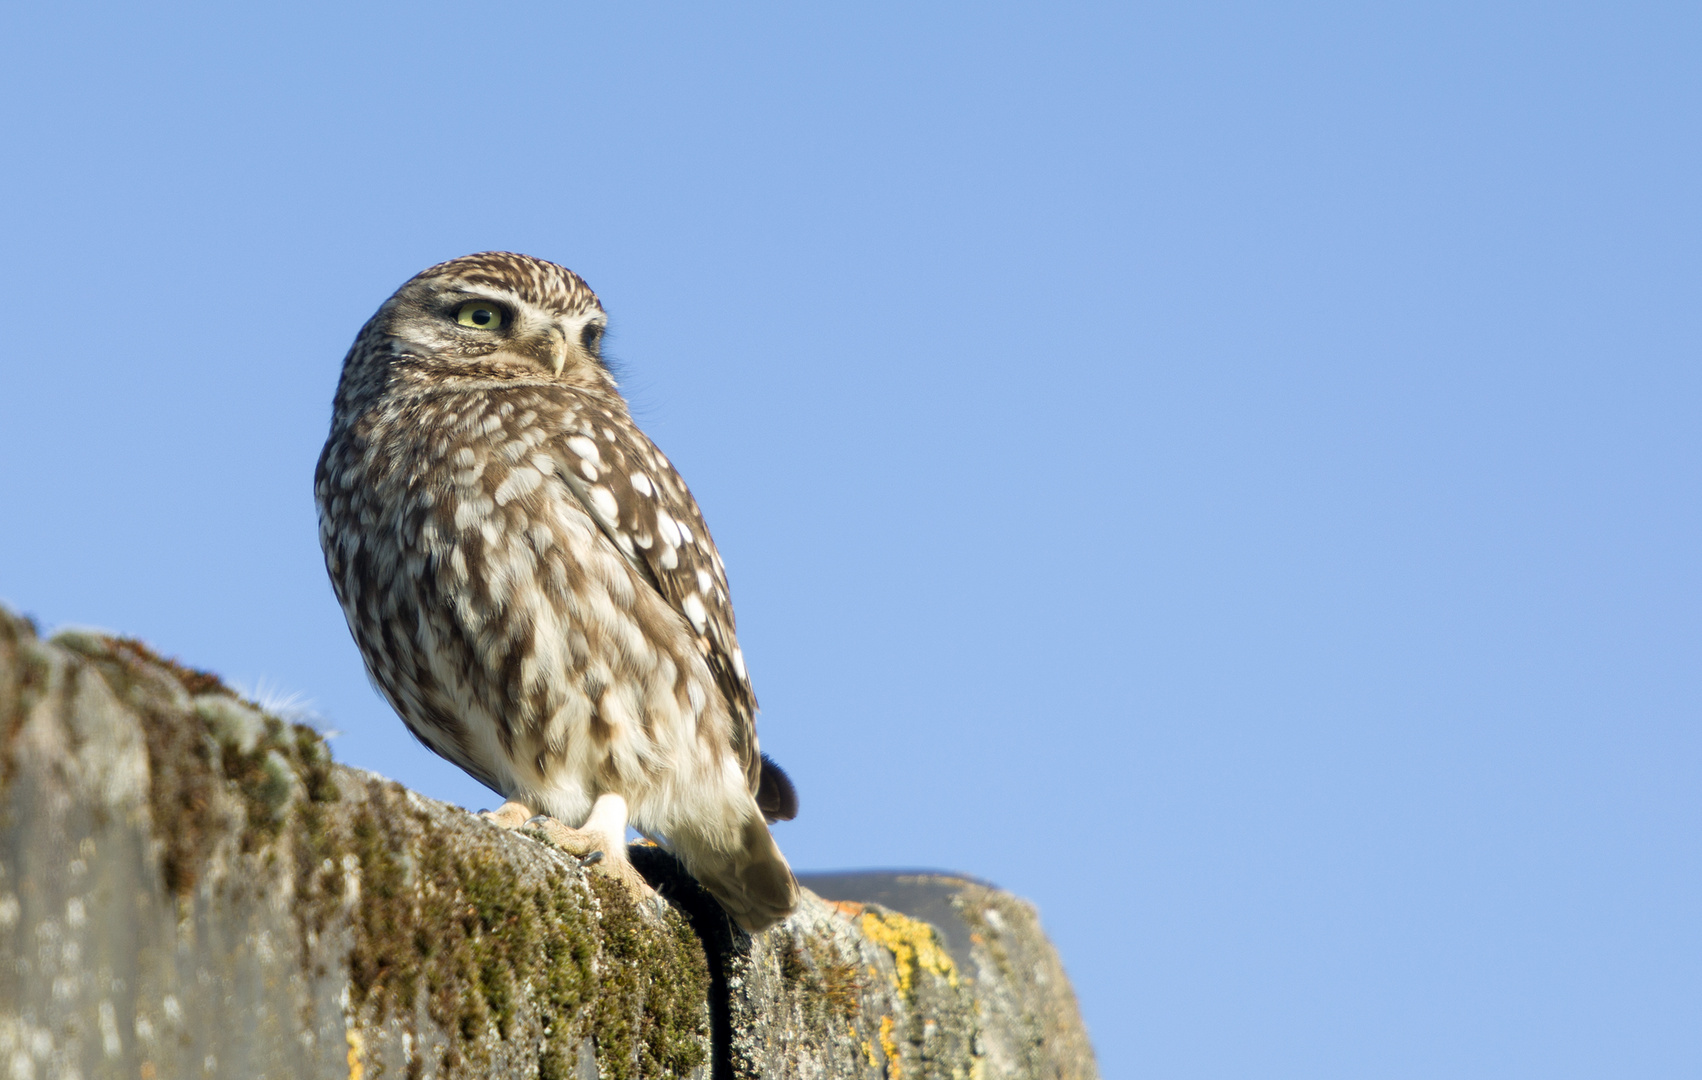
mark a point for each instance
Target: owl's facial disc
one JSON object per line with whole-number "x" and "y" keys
{"x": 456, "y": 326}
{"x": 555, "y": 344}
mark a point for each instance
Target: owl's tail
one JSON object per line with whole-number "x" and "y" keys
{"x": 753, "y": 882}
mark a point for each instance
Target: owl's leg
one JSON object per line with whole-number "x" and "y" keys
{"x": 601, "y": 841}
{"x": 511, "y": 815}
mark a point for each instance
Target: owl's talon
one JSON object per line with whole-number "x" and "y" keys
{"x": 511, "y": 815}
{"x": 597, "y": 843}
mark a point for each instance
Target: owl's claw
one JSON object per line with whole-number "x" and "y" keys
{"x": 600, "y": 842}
{"x": 511, "y": 815}
{"x": 566, "y": 839}
{"x": 569, "y": 840}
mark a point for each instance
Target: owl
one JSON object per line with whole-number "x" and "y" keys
{"x": 532, "y": 586}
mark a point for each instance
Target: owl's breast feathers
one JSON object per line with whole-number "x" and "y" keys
{"x": 498, "y": 518}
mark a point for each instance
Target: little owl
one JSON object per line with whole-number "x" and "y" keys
{"x": 532, "y": 587}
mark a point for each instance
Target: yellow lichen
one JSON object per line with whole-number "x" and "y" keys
{"x": 889, "y": 1046}
{"x": 356, "y": 1069}
{"x": 913, "y": 944}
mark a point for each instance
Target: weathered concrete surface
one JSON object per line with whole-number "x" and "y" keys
{"x": 1026, "y": 1019}
{"x": 189, "y": 887}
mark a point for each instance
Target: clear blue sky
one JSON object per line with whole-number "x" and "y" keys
{"x": 1225, "y": 472}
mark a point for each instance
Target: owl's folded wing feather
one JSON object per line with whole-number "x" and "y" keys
{"x": 645, "y": 509}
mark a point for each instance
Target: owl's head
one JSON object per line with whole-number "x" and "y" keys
{"x": 497, "y": 315}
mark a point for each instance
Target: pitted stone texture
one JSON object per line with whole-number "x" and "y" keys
{"x": 1027, "y": 1021}
{"x": 190, "y": 888}
{"x": 104, "y": 971}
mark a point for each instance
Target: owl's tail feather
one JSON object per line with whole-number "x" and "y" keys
{"x": 754, "y": 884}
{"x": 775, "y": 795}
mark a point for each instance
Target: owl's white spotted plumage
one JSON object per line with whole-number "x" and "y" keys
{"x": 532, "y": 585}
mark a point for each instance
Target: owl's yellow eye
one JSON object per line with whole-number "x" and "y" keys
{"x": 480, "y": 315}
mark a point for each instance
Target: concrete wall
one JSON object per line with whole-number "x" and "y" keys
{"x": 190, "y": 887}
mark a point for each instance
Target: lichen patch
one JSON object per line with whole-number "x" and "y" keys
{"x": 914, "y": 945}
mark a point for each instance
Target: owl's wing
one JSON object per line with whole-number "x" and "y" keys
{"x": 645, "y": 509}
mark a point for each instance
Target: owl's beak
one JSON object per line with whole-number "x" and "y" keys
{"x": 558, "y": 349}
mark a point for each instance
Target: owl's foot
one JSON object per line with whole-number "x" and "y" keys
{"x": 600, "y": 842}
{"x": 511, "y": 815}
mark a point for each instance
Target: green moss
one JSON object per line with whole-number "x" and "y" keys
{"x": 183, "y": 760}
{"x": 463, "y": 930}
{"x": 459, "y": 929}
{"x": 224, "y": 742}
{"x": 650, "y": 1018}
{"x": 266, "y": 778}
{"x": 315, "y": 759}
{"x": 24, "y": 674}
{"x": 488, "y": 950}
{"x": 195, "y": 681}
